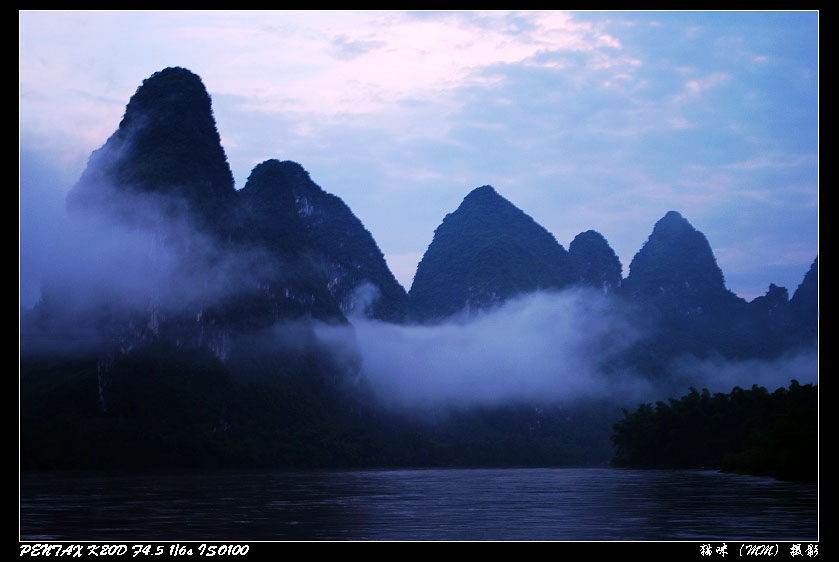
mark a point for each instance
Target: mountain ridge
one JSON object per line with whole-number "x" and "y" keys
{"x": 166, "y": 144}
{"x": 350, "y": 256}
{"x": 323, "y": 264}
{"x": 217, "y": 358}
{"x": 493, "y": 250}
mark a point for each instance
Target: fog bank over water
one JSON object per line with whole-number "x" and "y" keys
{"x": 544, "y": 348}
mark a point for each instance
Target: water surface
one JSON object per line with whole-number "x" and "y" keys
{"x": 426, "y": 504}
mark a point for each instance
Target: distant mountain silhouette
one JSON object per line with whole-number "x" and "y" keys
{"x": 680, "y": 291}
{"x": 309, "y": 256}
{"x": 485, "y": 252}
{"x": 764, "y": 325}
{"x": 593, "y": 263}
{"x": 679, "y": 288}
{"x": 804, "y": 307}
{"x": 676, "y": 268}
{"x": 167, "y": 145}
{"x": 292, "y": 214}
{"x": 296, "y": 252}
{"x": 205, "y": 352}
{"x": 165, "y": 173}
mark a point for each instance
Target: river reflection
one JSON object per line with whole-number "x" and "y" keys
{"x": 426, "y": 504}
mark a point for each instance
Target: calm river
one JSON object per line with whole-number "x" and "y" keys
{"x": 425, "y": 504}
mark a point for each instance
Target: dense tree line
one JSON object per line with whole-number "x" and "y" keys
{"x": 746, "y": 431}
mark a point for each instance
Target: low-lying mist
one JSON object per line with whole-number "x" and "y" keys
{"x": 542, "y": 348}
{"x": 550, "y": 348}
{"x": 143, "y": 257}
{"x": 163, "y": 260}
{"x": 718, "y": 374}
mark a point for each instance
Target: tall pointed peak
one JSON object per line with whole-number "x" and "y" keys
{"x": 484, "y": 195}
{"x": 593, "y": 262}
{"x": 676, "y": 259}
{"x": 167, "y": 143}
{"x": 486, "y": 251}
{"x": 672, "y": 223}
{"x": 483, "y": 191}
{"x": 485, "y": 203}
{"x": 168, "y": 93}
{"x": 673, "y": 226}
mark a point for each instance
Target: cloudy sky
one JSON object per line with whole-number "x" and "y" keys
{"x": 584, "y": 120}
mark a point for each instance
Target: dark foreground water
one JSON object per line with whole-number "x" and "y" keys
{"x": 428, "y": 504}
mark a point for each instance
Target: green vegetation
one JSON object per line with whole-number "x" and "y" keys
{"x": 745, "y": 431}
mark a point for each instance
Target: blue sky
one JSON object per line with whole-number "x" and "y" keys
{"x": 584, "y": 120}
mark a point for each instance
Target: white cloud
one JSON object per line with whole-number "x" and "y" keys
{"x": 401, "y": 113}
{"x": 772, "y": 161}
{"x": 384, "y": 58}
{"x": 321, "y": 62}
{"x": 698, "y": 86}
